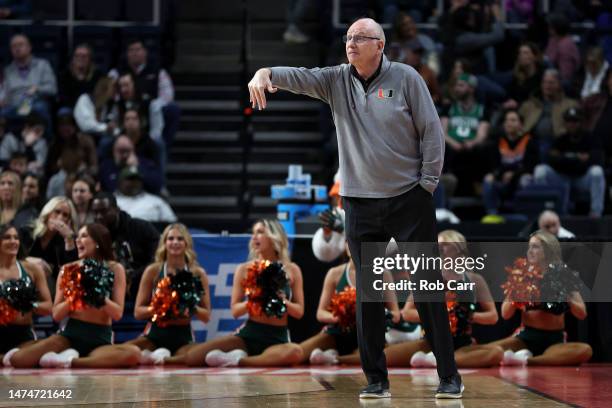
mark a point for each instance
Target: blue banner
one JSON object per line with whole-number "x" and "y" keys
{"x": 219, "y": 256}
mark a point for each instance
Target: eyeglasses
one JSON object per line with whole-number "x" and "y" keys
{"x": 357, "y": 39}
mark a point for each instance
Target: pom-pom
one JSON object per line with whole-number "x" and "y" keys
{"x": 343, "y": 306}
{"x": 70, "y": 284}
{"x": 88, "y": 284}
{"x": 20, "y": 293}
{"x": 97, "y": 281}
{"x": 522, "y": 286}
{"x": 176, "y": 296}
{"x": 263, "y": 286}
{"x": 459, "y": 314}
{"x": 7, "y": 312}
{"x": 557, "y": 284}
{"x": 164, "y": 303}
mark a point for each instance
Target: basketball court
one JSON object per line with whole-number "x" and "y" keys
{"x": 320, "y": 387}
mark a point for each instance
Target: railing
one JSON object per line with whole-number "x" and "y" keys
{"x": 70, "y": 22}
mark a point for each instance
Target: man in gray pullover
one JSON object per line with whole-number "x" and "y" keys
{"x": 391, "y": 150}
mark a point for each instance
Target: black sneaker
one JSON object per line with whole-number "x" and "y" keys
{"x": 375, "y": 390}
{"x": 450, "y": 387}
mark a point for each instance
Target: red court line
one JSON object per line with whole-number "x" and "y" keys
{"x": 585, "y": 386}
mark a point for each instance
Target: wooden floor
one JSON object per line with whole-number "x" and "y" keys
{"x": 589, "y": 386}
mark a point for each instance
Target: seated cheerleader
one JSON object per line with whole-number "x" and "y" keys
{"x": 174, "y": 336}
{"x": 465, "y": 308}
{"x": 262, "y": 340}
{"x": 540, "y": 340}
{"x": 18, "y": 332}
{"x": 337, "y": 342}
{"x": 86, "y": 339}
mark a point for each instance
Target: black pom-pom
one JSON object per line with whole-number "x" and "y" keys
{"x": 20, "y": 293}
{"x": 272, "y": 281}
{"x": 189, "y": 288}
{"x": 97, "y": 281}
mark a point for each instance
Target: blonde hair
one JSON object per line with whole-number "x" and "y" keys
{"x": 16, "y": 201}
{"x": 551, "y": 246}
{"x": 40, "y": 225}
{"x": 161, "y": 253}
{"x": 278, "y": 236}
{"x": 455, "y": 237}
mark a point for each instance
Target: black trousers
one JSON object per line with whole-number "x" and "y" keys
{"x": 409, "y": 217}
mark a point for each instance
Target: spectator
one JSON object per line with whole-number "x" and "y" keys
{"x": 597, "y": 111}
{"x": 469, "y": 31}
{"x": 130, "y": 99}
{"x": 413, "y": 56}
{"x": 80, "y": 78}
{"x": 10, "y": 195}
{"x": 406, "y": 31}
{"x": 466, "y": 126}
{"x": 549, "y": 221}
{"x": 71, "y": 148}
{"x": 561, "y": 50}
{"x": 132, "y": 199}
{"x": 575, "y": 161}
{"x": 543, "y": 112}
{"x": 21, "y": 9}
{"x": 418, "y": 10}
{"x": 82, "y": 192}
{"x": 31, "y": 201}
{"x": 595, "y": 68}
{"x": 96, "y": 114}
{"x": 28, "y": 82}
{"x": 54, "y": 236}
{"x": 124, "y": 154}
{"x": 134, "y": 240}
{"x": 32, "y": 143}
{"x": 520, "y": 11}
{"x": 513, "y": 161}
{"x": 156, "y": 86}
{"x": 526, "y": 75}
{"x": 18, "y": 163}
{"x": 296, "y": 9}
{"x": 5, "y": 154}
{"x": 143, "y": 144}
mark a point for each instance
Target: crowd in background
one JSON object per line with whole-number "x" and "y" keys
{"x": 522, "y": 94}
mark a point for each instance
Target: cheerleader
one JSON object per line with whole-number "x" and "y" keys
{"x": 541, "y": 338}
{"x": 463, "y": 313}
{"x": 174, "y": 253}
{"x": 262, "y": 340}
{"x": 86, "y": 339}
{"x": 19, "y": 333}
{"x": 336, "y": 344}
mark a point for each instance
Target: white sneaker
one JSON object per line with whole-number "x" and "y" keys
{"x": 293, "y": 35}
{"x": 394, "y": 336}
{"x": 320, "y": 357}
{"x": 145, "y": 357}
{"x": 6, "y": 360}
{"x": 58, "y": 360}
{"x": 420, "y": 359}
{"x": 218, "y": 358}
{"x": 518, "y": 358}
{"x": 159, "y": 355}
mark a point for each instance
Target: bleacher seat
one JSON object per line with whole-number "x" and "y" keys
{"x": 101, "y": 40}
{"x": 49, "y": 10}
{"x": 139, "y": 10}
{"x": 107, "y": 10}
{"x": 534, "y": 199}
